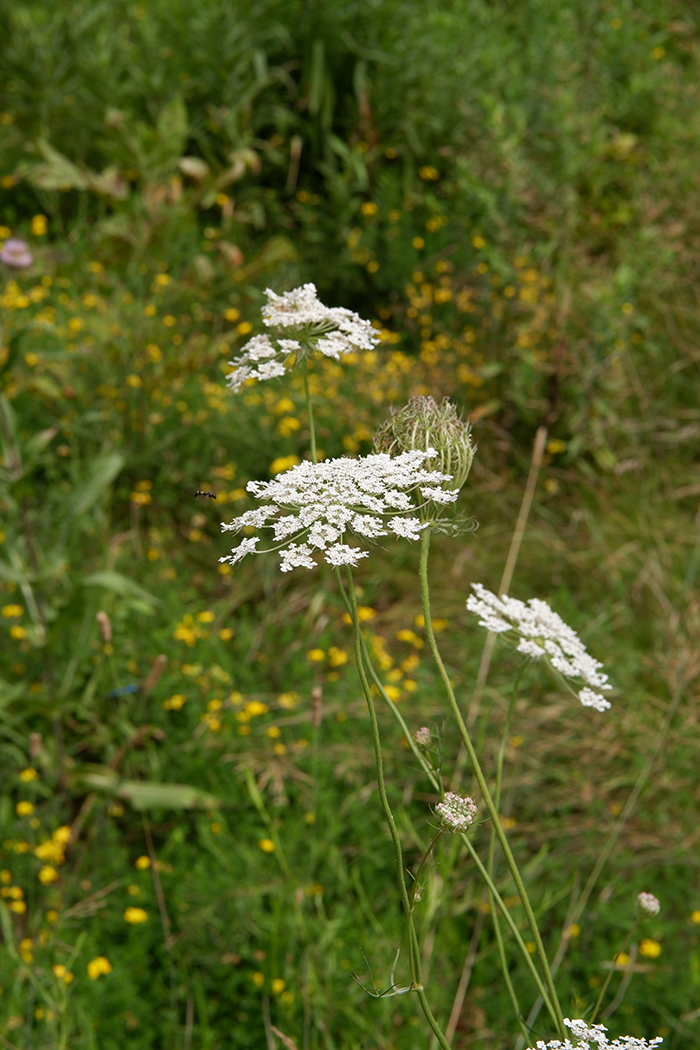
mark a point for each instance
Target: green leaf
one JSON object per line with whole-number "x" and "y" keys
{"x": 119, "y": 584}
{"x": 103, "y": 474}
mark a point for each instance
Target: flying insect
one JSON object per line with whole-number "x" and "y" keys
{"x": 199, "y": 494}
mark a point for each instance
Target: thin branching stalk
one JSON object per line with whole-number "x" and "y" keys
{"x": 432, "y": 774}
{"x": 491, "y": 886}
{"x": 483, "y": 786}
{"x": 413, "y": 952}
{"x": 491, "y": 861}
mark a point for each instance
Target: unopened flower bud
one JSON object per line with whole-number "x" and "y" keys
{"x": 104, "y": 625}
{"x": 456, "y": 813}
{"x": 648, "y": 905}
{"x": 424, "y": 424}
{"x": 422, "y": 737}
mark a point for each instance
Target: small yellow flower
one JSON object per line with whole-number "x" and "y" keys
{"x": 278, "y": 986}
{"x": 98, "y": 966}
{"x": 244, "y": 328}
{"x": 478, "y": 242}
{"x": 24, "y": 809}
{"x": 574, "y": 930}
{"x": 649, "y": 948}
{"x": 11, "y": 611}
{"x": 657, "y": 53}
{"x": 369, "y": 208}
{"x": 206, "y": 617}
{"x": 135, "y": 915}
{"x": 133, "y": 381}
{"x": 5, "y": 876}
{"x": 418, "y": 243}
{"x": 39, "y": 225}
{"x": 47, "y": 874}
{"x": 316, "y": 656}
{"x": 258, "y": 979}
{"x": 337, "y": 657}
{"x": 142, "y": 863}
{"x": 18, "y": 907}
{"x": 28, "y": 774}
{"x": 695, "y": 917}
{"x": 59, "y": 971}
{"x": 52, "y": 916}
{"x": 17, "y": 632}
{"x": 266, "y": 845}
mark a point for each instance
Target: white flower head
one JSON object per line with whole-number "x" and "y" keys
{"x": 313, "y": 328}
{"x": 456, "y": 813}
{"x": 584, "y": 1036}
{"x": 313, "y": 506}
{"x": 542, "y": 633}
{"x": 648, "y": 906}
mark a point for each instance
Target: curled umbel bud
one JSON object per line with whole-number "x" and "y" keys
{"x": 648, "y": 905}
{"x": 424, "y": 423}
{"x": 456, "y": 812}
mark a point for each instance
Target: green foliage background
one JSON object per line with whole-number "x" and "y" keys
{"x": 509, "y": 191}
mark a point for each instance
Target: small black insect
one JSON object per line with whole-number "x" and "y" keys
{"x": 204, "y": 495}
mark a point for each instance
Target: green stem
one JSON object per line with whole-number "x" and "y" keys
{"x": 608, "y": 979}
{"x": 421, "y": 866}
{"x": 504, "y": 967}
{"x": 491, "y": 886}
{"x": 483, "y": 786}
{"x": 414, "y": 958}
{"x": 432, "y": 775}
{"x": 491, "y": 861}
{"x": 310, "y": 410}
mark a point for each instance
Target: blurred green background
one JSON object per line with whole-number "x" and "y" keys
{"x": 192, "y": 849}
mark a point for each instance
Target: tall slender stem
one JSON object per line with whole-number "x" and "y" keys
{"x": 432, "y": 774}
{"x": 413, "y": 952}
{"x": 491, "y": 861}
{"x": 310, "y": 410}
{"x": 483, "y": 786}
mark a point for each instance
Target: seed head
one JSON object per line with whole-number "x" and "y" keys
{"x": 424, "y": 424}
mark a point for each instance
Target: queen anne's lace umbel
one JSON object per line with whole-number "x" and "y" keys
{"x": 584, "y": 1037}
{"x": 314, "y": 505}
{"x": 328, "y": 330}
{"x": 542, "y": 633}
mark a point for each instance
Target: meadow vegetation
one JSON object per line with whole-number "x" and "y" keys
{"x": 192, "y": 849}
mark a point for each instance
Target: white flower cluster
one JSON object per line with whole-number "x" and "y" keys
{"x": 455, "y": 812}
{"x": 369, "y": 497}
{"x": 331, "y": 331}
{"x": 584, "y": 1036}
{"x": 542, "y": 633}
{"x": 648, "y": 905}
